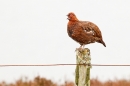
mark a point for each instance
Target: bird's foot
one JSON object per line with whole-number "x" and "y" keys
{"x": 81, "y": 48}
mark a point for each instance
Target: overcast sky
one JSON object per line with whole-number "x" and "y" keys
{"x": 35, "y": 32}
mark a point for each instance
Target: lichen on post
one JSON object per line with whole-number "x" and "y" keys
{"x": 82, "y": 71}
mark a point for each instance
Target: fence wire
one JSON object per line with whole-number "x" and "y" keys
{"x": 7, "y": 65}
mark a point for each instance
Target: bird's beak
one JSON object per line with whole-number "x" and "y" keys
{"x": 68, "y": 17}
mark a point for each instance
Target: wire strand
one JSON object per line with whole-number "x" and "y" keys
{"x": 7, "y": 65}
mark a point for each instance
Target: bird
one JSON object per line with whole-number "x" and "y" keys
{"x": 83, "y": 32}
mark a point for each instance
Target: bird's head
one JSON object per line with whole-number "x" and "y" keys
{"x": 72, "y": 17}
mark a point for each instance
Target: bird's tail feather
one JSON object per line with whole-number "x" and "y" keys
{"x": 102, "y": 42}
{"x": 99, "y": 40}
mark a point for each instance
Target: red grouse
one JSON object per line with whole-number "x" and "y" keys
{"x": 83, "y": 32}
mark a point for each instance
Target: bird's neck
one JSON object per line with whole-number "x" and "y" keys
{"x": 74, "y": 20}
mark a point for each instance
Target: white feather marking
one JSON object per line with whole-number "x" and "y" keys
{"x": 90, "y": 32}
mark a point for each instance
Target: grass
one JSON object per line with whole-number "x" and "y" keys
{"x": 40, "y": 81}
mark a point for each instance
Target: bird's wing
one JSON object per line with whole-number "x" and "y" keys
{"x": 90, "y": 28}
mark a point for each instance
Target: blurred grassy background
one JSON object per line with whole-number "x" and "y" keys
{"x": 41, "y": 81}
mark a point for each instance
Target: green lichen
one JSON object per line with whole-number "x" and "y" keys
{"x": 77, "y": 74}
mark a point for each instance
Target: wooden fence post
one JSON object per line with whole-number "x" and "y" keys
{"x": 82, "y": 72}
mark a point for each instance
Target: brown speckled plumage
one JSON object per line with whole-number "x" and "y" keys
{"x": 83, "y": 32}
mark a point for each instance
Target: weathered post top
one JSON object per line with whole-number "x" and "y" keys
{"x": 82, "y": 72}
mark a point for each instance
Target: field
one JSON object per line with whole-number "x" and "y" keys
{"x": 40, "y": 81}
